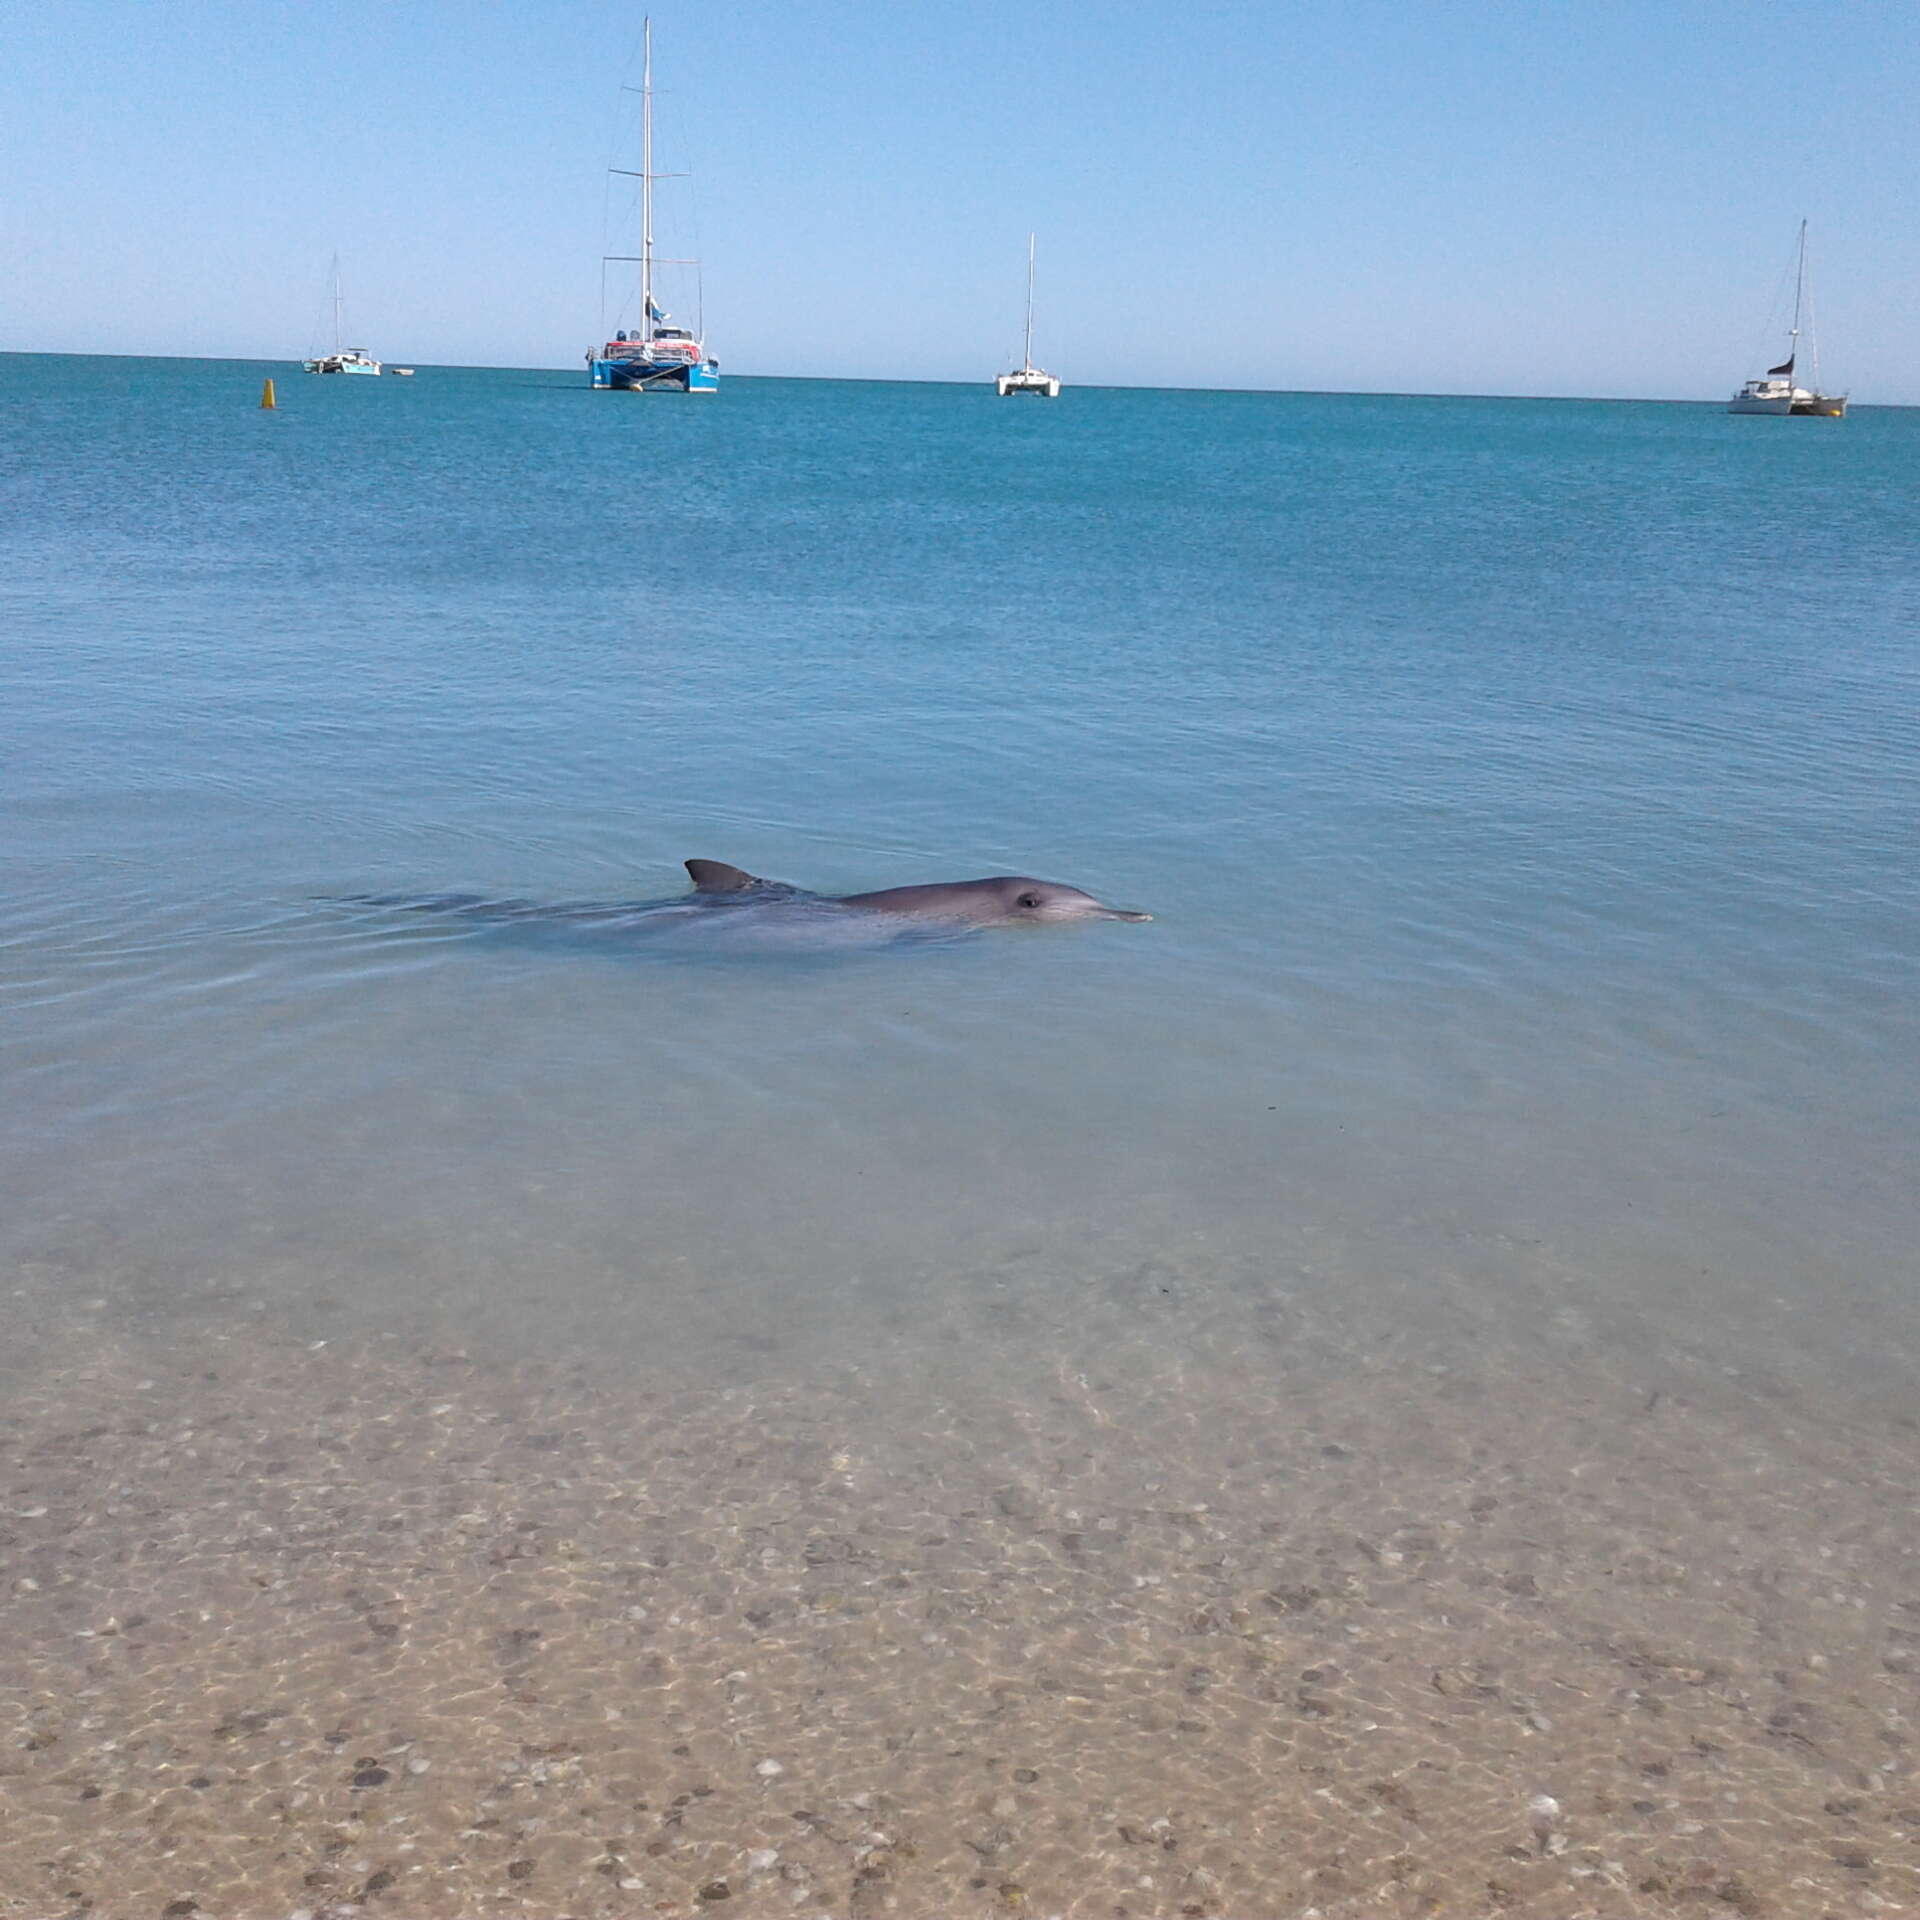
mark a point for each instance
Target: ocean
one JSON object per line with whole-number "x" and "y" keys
{"x": 1388, "y": 1388}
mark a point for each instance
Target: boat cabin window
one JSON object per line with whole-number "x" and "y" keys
{"x": 671, "y": 333}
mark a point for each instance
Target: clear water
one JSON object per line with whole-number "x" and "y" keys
{"x": 1527, "y": 796}
{"x": 1386, "y": 1388}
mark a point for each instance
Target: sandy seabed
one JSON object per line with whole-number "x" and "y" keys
{"x": 1231, "y": 1618}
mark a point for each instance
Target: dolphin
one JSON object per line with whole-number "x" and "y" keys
{"x": 1003, "y": 899}
{"x": 727, "y": 899}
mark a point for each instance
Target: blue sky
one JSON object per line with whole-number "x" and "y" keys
{"x": 1494, "y": 198}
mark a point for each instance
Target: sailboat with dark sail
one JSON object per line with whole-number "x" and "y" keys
{"x": 1775, "y": 392}
{"x": 656, "y": 356}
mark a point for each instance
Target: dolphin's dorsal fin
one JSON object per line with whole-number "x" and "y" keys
{"x": 715, "y": 876}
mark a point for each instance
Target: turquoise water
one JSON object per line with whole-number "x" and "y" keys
{"x": 1526, "y": 793}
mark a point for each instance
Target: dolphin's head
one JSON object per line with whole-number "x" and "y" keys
{"x": 1006, "y": 899}
{"x": 1019, "y": 898}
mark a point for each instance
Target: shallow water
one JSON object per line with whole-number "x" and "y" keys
{"x": 1525, "y": 793}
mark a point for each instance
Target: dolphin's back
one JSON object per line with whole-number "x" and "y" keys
{"x": 951, "y": 899}
{"x": 715, "y": 881}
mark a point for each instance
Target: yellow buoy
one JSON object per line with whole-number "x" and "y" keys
{"x": 266, "y": 396}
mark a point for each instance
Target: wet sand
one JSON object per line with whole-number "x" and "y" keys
{"x": 1259, "y": 1615}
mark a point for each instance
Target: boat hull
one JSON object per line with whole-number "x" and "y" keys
{"x": 1042, "y": 386}
{"x": 638, "y": 376}
{"x": 1800, "y": 404}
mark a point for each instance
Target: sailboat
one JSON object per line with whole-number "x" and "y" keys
{"x": 1774, "y": 392}
{"x": 1028, "y": 378}
{"x": 656, "y": 356}
{"x": 341, "y": 359}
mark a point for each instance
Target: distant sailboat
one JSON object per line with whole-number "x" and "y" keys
{"x": 341, "y": 359}
{"x": 653, "y": 357}
{"x": 1774, "y": 392}
{"x": 1029, "y": 378}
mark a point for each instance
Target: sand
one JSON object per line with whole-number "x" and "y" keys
{"x": 1251, "y": 1615}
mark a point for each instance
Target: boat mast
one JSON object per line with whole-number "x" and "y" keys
{"x": 646, "y": 183}
{"x": 336, "y": 306}
{"x": 1029, "y": 358}
{"x": 1799, "y": 281}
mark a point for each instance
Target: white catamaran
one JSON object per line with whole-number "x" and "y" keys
{"x": 1774, "y": 392}
{"x": 341, "y": 359}
{"x": 1029, "y": 378}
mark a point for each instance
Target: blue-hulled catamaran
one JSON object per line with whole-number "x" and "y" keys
{"x": 655, "y": 357}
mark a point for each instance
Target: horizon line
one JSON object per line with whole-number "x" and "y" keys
{"x": 868, "y": 380}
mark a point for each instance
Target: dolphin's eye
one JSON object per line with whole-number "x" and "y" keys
{"x": 1028, "y": 900}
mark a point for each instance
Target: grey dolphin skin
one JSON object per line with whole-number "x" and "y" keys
{"x": 1001, "y": 900}
{"x": 740, "y": 909}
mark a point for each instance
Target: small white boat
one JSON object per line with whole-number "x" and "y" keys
{"x": 1774, "y": 391}
{"x": 341, "y": 359}
{"x": 1027, "y": 378}
{"x": 401, "y": 373}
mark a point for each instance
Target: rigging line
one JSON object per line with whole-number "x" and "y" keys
{"x": 615, "y": 136}
{"x": 691, "y": 194}
{"x": 1766, "y": 349}
{"x": 606, "y": 215}
{"x": 317, "y": 332}
{"x": 699, "y": 257}
{"x": 1813, "y": 334}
